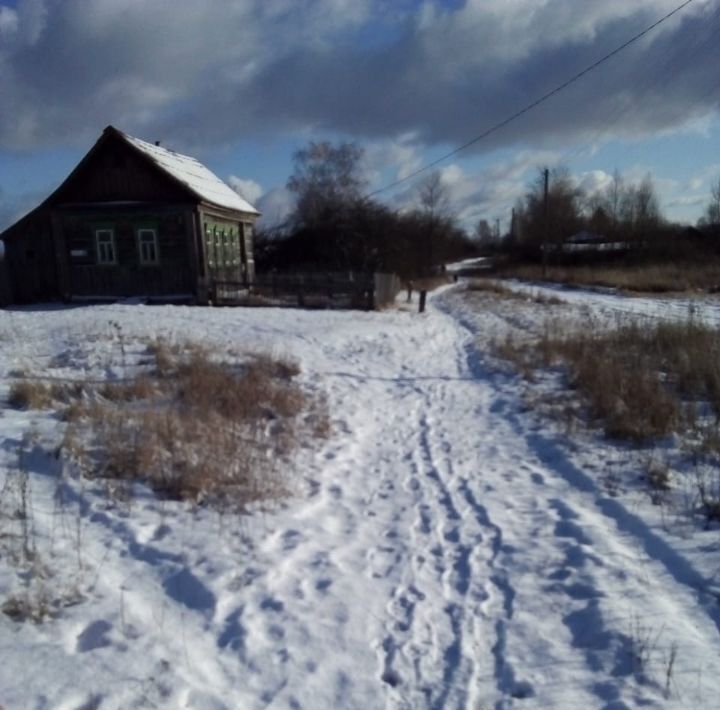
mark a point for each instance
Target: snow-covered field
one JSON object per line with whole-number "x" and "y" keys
{"x": 444, "y": 548}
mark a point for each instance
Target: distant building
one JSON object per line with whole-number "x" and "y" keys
{"x": 132, "y": 219}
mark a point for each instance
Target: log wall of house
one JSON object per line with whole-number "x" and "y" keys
{"x": 30, "y": 265}
{"x": 128, "y": 275}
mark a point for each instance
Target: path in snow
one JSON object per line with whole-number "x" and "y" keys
{"x": 443, "y": 551}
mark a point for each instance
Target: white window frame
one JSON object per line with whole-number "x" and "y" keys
{"x": 105, "y": 247}
{"x": 144, "y": 260}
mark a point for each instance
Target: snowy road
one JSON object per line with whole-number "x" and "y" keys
{"x": 443, "y": 550}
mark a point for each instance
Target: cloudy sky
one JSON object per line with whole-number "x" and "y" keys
{"x": 242, "y": 84}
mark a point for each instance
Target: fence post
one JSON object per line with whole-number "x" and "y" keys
{"x": 423, "y": 296}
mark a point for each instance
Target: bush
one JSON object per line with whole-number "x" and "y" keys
{"x": 30, "y": 394}
{"x": 640, "y": 381}
{"x": 192, "y": 428}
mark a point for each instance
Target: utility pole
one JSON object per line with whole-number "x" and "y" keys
{"x": 546, "y": 236}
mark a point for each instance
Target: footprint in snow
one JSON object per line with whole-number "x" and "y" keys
{"x": 322, "y": 585}
{"x": 161, "y": 532}
{"x": 94, "y": 636}
{"x": 185, "y": 588}
{"x": 566, "y": 529}
{"x": 335, "y": 492}
{"x": 291, "y": 539}
{"x": 271, "y": 604}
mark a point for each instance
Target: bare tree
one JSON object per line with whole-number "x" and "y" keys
{"x": 648, "y": 207}
{"x": 484, "y": 232}
{"x": 564, "y": 208}
{"x": 613, "y": 195}
{"x": 640, "y": 209}
{"x": 326, "y": 177}
{"x": 712, "y": 211}
{"x": 434, "y": 195}
{"x": 435, "y": 207}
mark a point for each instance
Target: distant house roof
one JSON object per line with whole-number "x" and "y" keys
{"x": 192, "y": 173}
{"x": 585, "y": 237}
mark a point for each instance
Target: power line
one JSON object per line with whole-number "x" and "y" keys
{"x": 534, "y": 104}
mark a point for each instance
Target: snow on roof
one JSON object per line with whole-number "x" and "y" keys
{"x": 205, "y": 184}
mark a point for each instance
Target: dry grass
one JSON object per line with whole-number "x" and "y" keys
{"x": 497, "y": 288}
{"x": 191, "y": 427}
{"x": 638, "y": 379}
{"x": 30, "y": 394}
{"x": 494, "y": 287}
{"x": 641, "y": 382}
{"x": 652, "y": 278}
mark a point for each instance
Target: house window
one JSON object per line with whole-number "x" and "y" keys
{"x": 105, "y": 241}
{"x": 148, "y": 246}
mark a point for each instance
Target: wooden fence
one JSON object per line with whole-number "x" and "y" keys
{"x": 346, "y": 290}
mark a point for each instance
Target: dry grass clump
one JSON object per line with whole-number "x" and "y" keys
{"x": 201, "y": 429}
{"x": 617, "y": 382}
{"x": 30, "y": 394}
{"x": 494, "y": 287}
{"x": 260, "y": 389}
{"x": 641, "y": 381}
{"x": 643, "y": 278}
{"x": 497, "y": 288}
{"x": 191, "y": 426}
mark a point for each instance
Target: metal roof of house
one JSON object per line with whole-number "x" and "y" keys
{"x": 189, "y": 171}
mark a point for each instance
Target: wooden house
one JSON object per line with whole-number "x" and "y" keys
{"x": 132, "y": 219}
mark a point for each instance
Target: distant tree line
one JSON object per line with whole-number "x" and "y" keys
{"x": 336, "y": 227}
{"x": 622, "y": 211}
{"x": 625, "y": 213}
{"x": 711, "y": 217}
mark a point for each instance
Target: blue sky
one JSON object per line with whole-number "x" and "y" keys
{"x": 242, "y": 84}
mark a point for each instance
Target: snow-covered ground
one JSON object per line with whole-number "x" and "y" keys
{"x": 444, "y": 548}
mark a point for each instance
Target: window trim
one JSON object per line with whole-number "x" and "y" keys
{"x": 111, "y": 242}
{"x": 155, "y": 243}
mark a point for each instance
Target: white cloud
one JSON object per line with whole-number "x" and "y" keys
{"x": 594, "y": 181}
{"x": 205, "y": 72}
{"x": 246, "y": 188}
{"x": 276, "y": 206}
{"x": 32, "y": 20}
{"x": 389, "y": 160}
{"x": 8, "y": 22}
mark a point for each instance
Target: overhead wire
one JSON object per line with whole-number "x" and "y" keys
{"x": 534, "y": 104}
{"x": 664, "y": 66}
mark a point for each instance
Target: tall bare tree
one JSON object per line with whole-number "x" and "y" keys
{"x": 435, "y": 204}
{"x": 326, "y": 177}
{"x": 712, "y": 211}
